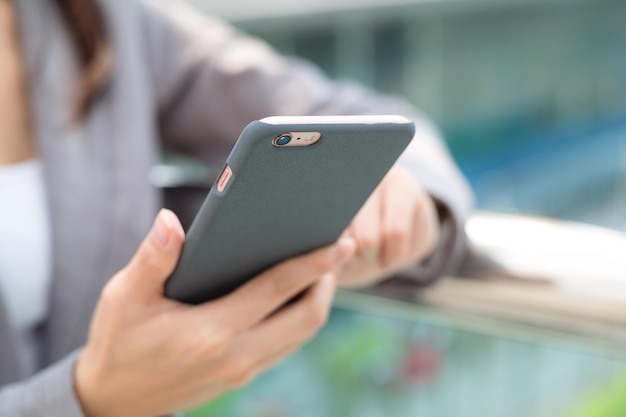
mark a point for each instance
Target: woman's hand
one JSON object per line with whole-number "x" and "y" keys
{"x": 396, "y": 228}
{"x": 147, "y": 356}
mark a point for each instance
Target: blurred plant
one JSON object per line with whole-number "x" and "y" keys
{"x": 605, "y": 402}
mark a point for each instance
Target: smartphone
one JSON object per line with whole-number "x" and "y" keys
{"x": 290, "y": 185}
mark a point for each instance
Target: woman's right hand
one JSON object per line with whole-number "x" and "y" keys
{"x": 147, "y": 355}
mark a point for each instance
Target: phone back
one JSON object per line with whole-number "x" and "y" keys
{"x": 284, "y": 201}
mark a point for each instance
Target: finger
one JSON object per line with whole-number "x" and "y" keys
{"x": 237, "y": 372}
{"x": 261, "y": 296}
{"x": 365, "y": 229}
{"x": 397, "y": 223}
{"x": 156, "y": 257}
{"x": 266, "y": 363}
{"x": 292, "y": 325}
{"x": 276, "y": 357}
{"x": 426, "y": 226}
{"x": 276, "y": 336}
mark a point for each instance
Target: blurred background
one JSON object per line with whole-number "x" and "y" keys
{"x": 530, "y": 94}
{"x": 531, "y": 98}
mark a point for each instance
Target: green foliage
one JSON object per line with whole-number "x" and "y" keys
{"x": 220, "y": 407}
{"x": 609, "y": 401}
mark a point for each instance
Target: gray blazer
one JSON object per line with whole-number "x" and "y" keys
{"x": 185, "y": 82}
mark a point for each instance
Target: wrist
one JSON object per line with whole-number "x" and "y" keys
{"x": 92, "y": 390}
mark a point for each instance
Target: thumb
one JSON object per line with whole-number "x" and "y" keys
{"x": 157, "y": 256}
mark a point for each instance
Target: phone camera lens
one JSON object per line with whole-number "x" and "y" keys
{"x": 283, "y": 140}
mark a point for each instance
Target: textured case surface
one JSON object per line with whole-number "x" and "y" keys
{"x": 282, "y": 202}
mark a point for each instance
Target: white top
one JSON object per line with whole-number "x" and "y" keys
{"x": 25, "y": 255}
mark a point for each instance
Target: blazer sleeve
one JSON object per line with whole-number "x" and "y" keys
{"x": 49, "y": 393}
{"x": 211, "y": 80}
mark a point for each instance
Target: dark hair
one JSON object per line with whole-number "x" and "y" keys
{"x": 88, "y": 32}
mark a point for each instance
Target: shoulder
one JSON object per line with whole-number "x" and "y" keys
{"x": 166, "y": 29}
{"x": 167, "y": 15}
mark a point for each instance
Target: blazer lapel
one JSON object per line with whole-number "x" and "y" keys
{"x": 75, "y": 165}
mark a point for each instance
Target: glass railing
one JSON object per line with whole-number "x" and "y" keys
{"x": 385, "y": 358}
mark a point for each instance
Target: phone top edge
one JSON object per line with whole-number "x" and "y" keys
{"x": 358, "y": 119}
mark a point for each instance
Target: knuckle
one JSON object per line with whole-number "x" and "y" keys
{"x": 321, "y": 264}
{"x": 112, "y": 296}
{"x": 167, "y": 319}
{"x": 395, "y": 235}
{"x": 242, "y": 379}
{"x": 239, "y": 371}
{"x": 367, "y": 242}
{"x": 316, "y": 315}
{"x": 308, "y": 334}
{"x": 218, "y": 341}
{"x": 147, "y": 259}
{"x": 213, "y": 343}
{"x": 298, "y": 273}
{"x": 283, "y": 287}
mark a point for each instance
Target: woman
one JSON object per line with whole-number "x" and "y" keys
{"x": 90, "y": 94}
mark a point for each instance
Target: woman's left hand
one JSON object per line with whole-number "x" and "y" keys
{"x": 396, "y": 228}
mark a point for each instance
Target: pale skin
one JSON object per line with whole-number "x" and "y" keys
{"x": 16, "y": 143}
{"x": 147, "y": 356}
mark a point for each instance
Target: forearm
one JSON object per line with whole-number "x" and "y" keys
{"x": 430, "y": 164}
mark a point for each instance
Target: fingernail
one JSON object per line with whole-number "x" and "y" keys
{"x": 344, "y": 250}
{"x": 162, "y": 227}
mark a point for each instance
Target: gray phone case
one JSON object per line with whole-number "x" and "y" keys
{"x": 283, "y": 202}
